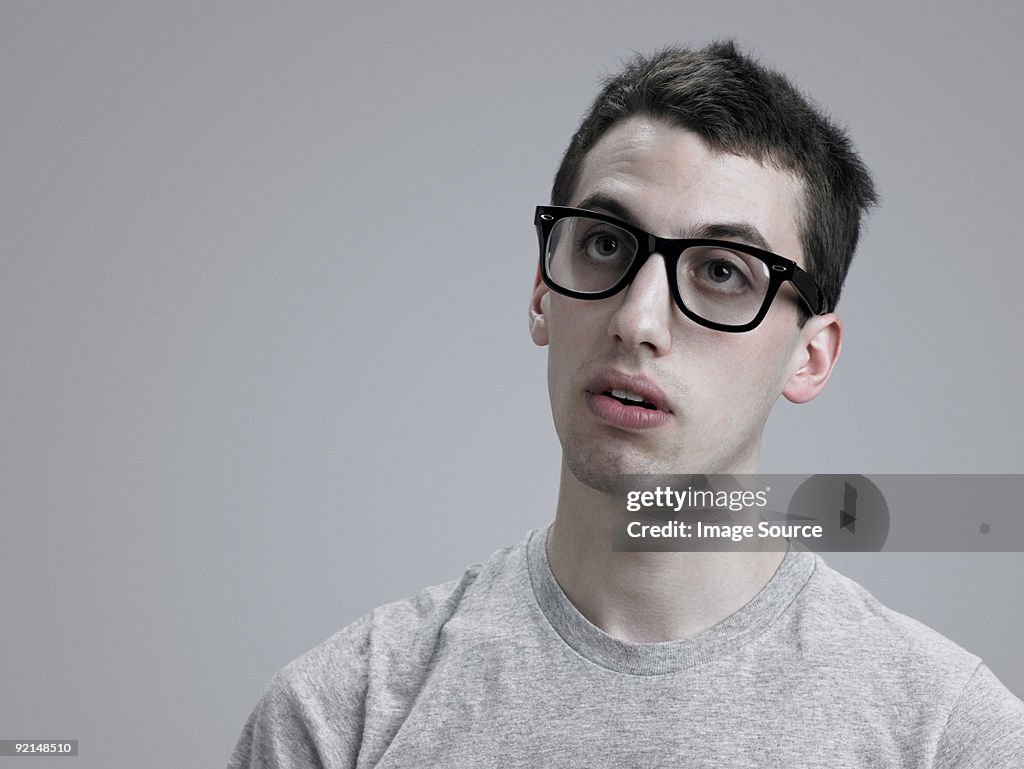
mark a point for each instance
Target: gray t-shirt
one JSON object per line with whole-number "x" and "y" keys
{"x": 499, "y": 669}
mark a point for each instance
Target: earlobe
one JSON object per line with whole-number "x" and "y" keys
{"x": 538, "y": 316}
{"x": 820, "y": 343}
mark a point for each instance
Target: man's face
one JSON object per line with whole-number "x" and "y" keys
{"x": 713, "y": 389}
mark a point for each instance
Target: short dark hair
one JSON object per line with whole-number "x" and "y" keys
{"x": 740, "y": 107}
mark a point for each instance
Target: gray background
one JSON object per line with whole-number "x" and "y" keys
{"x": 263, "y": 291}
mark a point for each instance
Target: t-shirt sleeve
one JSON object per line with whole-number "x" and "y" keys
{"x": 311, "y": 714}
{"x": 278, "y": 734}
{"x": 985, "y": 727}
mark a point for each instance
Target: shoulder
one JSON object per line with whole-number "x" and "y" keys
{"x": 985, "y": 726}
{"x": 841, "y": 614}
{"x": 407, "y": 628}
{"x": 895, "y": 666}
{"x": 320, "y": 706}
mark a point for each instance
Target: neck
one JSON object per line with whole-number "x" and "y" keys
{"x": 646, "y": 597}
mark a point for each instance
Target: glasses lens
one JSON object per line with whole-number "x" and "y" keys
{"x": 588, "y": 255}
{"x": 722, "y": 285}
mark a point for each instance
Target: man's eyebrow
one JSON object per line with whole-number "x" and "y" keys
{"x": 609, "y": 205}
{"x": 743, "y": 232}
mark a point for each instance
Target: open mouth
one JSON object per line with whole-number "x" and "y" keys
{"x": 630, "y": 399}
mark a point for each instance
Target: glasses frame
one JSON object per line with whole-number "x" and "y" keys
{"x": 780, "y": 269}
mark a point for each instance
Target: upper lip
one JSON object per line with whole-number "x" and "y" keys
{"x": 616, "y": 380}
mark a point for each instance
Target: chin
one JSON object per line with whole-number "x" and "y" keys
{"x": 603, "y": 469}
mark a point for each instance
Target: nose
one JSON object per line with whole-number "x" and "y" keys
{"x": 644, "y": 317}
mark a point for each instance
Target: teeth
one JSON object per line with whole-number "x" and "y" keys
{"x": 627, "y": 395}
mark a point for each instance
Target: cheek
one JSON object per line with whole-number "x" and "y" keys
{"x": 565, "y": 342}
{"x": 738, "y": 376}
{"x": 768, "y": 372}
{"x": 574, "y": 324}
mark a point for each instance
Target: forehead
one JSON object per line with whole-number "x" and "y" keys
{"x": 675, "y": 186}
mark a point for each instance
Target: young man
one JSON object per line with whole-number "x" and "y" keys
{"x": 664, "y": 357}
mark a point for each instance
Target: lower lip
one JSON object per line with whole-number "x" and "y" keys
{"x": 627, "y": 417}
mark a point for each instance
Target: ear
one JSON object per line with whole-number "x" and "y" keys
{"x": 814, "y": 357}
{"x": 538, "y": 316}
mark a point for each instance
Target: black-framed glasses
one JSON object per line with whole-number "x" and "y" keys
{"x": 720, "y": 284}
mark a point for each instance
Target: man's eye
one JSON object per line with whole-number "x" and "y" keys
{"x": 602, "y": 246}
{"x": 719, "y": 272}
{"x": 722, "y": 274}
